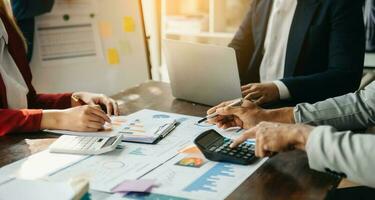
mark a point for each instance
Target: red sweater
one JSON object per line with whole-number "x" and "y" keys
{"x": 25, "y": 120}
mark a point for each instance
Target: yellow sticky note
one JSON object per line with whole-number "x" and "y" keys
{"x": 105, "y": 29}
{"x": 113, "y": 56}
{"x": 129, "y": 25}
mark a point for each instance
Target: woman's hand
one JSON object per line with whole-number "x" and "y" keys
{"x": 87, "y": 118}
{"x": 96, "y": 99}
{"x": 275, "y": 137}
{"x": 246, "y": 116}
{"x": 261, "y": 93}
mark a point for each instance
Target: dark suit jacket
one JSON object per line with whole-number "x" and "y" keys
{"x": 370, "y": 25}
{"x": 25, "y": 11}
{"x": 325, "y": 51}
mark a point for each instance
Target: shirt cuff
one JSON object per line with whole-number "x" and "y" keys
{"x": 297, "y": 115}
{"x": 283, "y": 90}
{"x": 316, "y": 148}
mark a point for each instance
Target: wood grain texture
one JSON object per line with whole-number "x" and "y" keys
{"x": 284, "y": 176}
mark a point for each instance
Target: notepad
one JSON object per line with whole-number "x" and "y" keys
{"x": 149, "y": 132}
{"x": 143, "y": 185}
{"x": 113, "y": 56}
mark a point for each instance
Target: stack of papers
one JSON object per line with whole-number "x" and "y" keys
{"x": 16, "y": 189}
{"x": 173, "y": 169}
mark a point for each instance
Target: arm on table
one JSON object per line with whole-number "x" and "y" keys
{"x": 348, "y": 112}
{"x": 346, "y": 152}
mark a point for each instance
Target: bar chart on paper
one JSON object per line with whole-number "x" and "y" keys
{"x": 208, "y": 181}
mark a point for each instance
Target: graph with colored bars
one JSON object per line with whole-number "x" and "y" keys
{"x": 208, "y": 181}
{"x": 135, "y": 127}
{"x": 117, "y": 121}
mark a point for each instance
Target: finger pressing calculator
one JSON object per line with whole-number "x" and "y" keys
{"x": 215, "y": 147}
{"x": 89, "y": 145}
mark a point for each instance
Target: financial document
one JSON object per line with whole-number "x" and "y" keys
{"x": 175, "y": 163}
{"x": 191, "y": 176}
{"x": 68, "y": 33}
{"x": 134, "y": 160}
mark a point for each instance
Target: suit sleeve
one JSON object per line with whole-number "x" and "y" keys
{"x": 346, "y": 57}
{"x": 347, "y": 112}
{"x": 243, "y": 43}
{"x": 26, "y": 9}
{"x": 346, "y": 153}
{"x": 26, "y": 120}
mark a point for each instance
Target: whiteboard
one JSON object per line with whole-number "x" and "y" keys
{"x": 118, "y": 29}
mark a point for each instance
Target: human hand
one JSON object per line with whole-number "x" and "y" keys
{"x": 261, "y": 93}
{"x": 246, "y": 116}
{"x": 275, "y": 137}
{"x": 85, "y": 118}
{"x": 96, "y": 99}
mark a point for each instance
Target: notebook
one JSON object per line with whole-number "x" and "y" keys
{"x": 149, "y": 132}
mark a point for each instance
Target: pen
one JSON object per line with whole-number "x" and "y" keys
{"x": 170, "y": 130}
{"x": 236, "y": 102}
{"x": 81, "y": 103}
{"x": 78, "y": 100}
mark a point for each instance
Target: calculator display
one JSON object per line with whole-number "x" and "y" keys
{"x": 208, "y": 139}
{"x": 109, "y": 142}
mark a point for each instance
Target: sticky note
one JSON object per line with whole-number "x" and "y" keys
{"x": 105, "y": 29}
{"x": 125, "y": 46}
{"x": 129, "y": 25}
{"x": 113, "y": 57}
{"x": 142, "y": 185}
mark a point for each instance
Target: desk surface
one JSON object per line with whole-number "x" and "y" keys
{"x": 284, "y": 176}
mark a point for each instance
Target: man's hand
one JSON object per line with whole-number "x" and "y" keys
{"x": 275, "y": 137}
{"x": 246, "y": 116}
{"x": 261, "y": 93}
{"x": 97, "y": 99}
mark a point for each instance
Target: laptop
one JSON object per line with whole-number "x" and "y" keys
{"x": 201, "y": 73}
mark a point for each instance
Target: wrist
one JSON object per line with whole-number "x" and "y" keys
{"x": 283, "y": 115}
{"x": 52, "y": 119}
{"x": 302, "y": 135}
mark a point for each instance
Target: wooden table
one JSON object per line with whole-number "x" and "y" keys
{"x": 284, "y": 176}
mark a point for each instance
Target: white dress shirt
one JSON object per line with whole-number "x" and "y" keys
{"x": 275, "y": 44}
{"x": 15, "y": 85}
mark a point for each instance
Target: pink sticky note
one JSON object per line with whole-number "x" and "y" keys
{"x": 143, "y": 185}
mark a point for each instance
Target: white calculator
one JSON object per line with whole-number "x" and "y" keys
{"x": 89, "y": 145}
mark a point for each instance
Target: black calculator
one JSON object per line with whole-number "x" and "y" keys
{"x": 215, "y": 147}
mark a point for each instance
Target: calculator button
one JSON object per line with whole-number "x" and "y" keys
{"x": 231, "y": 153}
{"x": 245, "y": 157}
{"x": 225, "y": 151}
{"x": 212, "y": 148}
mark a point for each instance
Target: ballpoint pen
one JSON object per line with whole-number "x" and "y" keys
{"x": 236, "y": 102}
